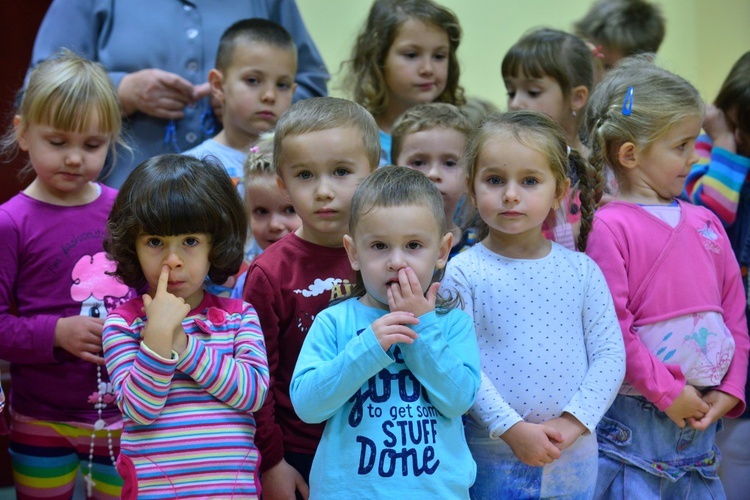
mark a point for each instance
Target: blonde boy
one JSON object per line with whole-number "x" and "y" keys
{"x": 431, "y": 138}
{"x": 323, "y": 148}
{"x": 254, "y": 82}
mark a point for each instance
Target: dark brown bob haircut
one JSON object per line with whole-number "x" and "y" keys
{"x": 170, "y": 195}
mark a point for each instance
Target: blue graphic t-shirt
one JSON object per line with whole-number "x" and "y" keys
{"x": 393, "y": 418}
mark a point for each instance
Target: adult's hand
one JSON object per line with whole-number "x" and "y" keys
{"x": 155, "y": 92}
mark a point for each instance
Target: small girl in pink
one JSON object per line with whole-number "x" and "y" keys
{"x": 677, "y": 291}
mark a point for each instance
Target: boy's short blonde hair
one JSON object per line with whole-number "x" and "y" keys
{"x": 324, "y": 113}
{"x": 632, "y": 26}
{"x": 426, "y": 117}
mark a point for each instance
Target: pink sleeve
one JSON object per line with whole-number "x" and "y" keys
{"x": 734, "y": 302}
{"x": 658, "y": 382}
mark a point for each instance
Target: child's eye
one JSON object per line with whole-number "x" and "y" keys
{"x": 495, "y": 180}
{"x": 341, "y": 171}
{"x": 284, "y": 85}
{"x": 530, "y": 181}
{"x": 440, "y": 57}
{"x": 378, "y": 246}
{"x": 260, "y": 211}
{"x": 417, "y": 163}
{"x": 414, "y": 245}
{"x": 251, "y": 80}
{"x": 534, "y": 93}
{"x": 304, "y": 175}
{"x": 153, "y": 242}
{"x": 289, "y": 210}
{"x": 56, "y": 142}
{"x": 410, "y": 55}
{"x": 451, "y": 163}
{"x": 93, "y": 145}
{"x": 191, "y": 241}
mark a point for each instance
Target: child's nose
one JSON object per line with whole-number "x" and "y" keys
{"x": 323, "y": 190}
{"x": 515, "y": 103}
{"x": 73, "y": 158}
{"x": 426, "y": 68}
{"x": 396, "y": 260}
{"x": 173, "y": 260}
{"x": 269, "y": 94}
{"x": 434, "y": 173}
{"x": 511, "y": 193}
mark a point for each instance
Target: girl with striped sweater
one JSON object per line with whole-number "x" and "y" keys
{"x": 188, "y": 367}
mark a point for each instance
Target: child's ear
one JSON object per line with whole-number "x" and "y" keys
{"x": 351, "y": 252}
{"x": 579, "y": 96}
{"x": 20, "y": 131}
{"x": 627, "y": 155}
{"x": 216, "y": 80}
{"x": 445, "y": 250}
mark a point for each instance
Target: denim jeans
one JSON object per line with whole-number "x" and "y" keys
{"x": 501, "y": 475}
{"x": 643, "y": 454}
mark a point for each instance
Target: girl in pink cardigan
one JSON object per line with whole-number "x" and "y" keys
{"x": 677, "y": 290}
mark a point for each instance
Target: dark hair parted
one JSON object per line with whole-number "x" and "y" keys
{"x": 548, "y": 52}
{"x": 255, "y": 30}
{"x": 735, "y": 92}
{"x": 174, "y": 194}
{"x": 540, "y": 133}
{"x": 631, "y": 26}
{"x": 366, "y": 81}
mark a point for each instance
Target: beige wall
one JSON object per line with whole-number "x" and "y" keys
{"x": 704, "y": 38}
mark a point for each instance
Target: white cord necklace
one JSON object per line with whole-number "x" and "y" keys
{"x": 103, "y": 388}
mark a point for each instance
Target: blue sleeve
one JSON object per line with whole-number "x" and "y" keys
{"x": 312, "y": 75}
{"x": 445, "y": 359}
{"x": 329, "y": 371}
{"x": 75, "y": 25}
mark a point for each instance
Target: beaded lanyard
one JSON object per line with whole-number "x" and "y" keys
{"x": 102, "y": 389}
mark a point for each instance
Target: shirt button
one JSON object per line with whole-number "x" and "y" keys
{"x": 187, "y": 7}
{"x": 191, "y": 137}
{"x": 192, "y": 66}
{"x": 191, "y": 32}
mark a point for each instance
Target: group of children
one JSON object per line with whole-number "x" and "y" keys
{"x": 476, "y": 322}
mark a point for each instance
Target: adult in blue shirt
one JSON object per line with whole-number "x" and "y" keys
{"x": 158, "y": 54}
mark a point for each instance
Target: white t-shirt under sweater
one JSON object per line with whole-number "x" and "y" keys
{"x": 548, "y": 336}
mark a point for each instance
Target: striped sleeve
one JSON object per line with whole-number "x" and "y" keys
{"x": 716, "y": 180}
{"x": 240, "y": 381}
{"x": 141, "y": 378}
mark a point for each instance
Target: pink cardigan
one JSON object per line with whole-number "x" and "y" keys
{"x": 655, "y": 273}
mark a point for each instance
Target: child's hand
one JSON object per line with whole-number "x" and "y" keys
{"x": 81, "y": 336}
{"x": 569, "y": 427}
{"x": 716, "y": 126}
{"x": 391, "y": 329}
{"x": 720, "y": 403}
{"x": 533, "y": 444}
{"x": 689, "y": 404}
{"x": 281, "y": 481}
{"x": 164, "y": 314}
{"x": 406, "y": 295}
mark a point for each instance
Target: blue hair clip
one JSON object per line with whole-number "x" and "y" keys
{"x": 627, "y": 103}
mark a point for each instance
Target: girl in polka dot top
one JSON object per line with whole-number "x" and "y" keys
{"x": 550, "y": 345}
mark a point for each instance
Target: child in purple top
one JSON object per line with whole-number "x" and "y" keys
{"x": 54, "y": 290}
